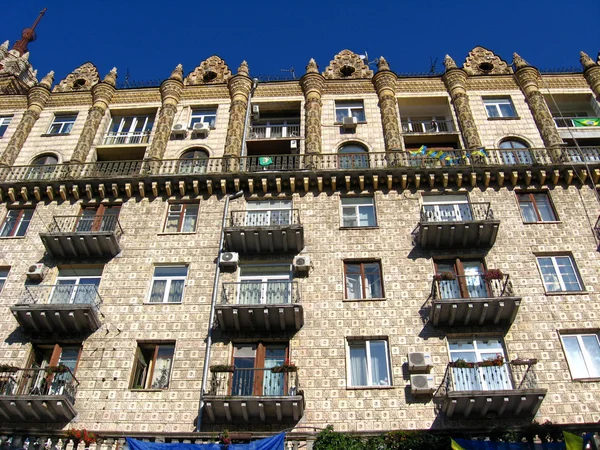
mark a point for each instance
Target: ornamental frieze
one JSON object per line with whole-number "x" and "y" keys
{"x": 347, "y": 65}
{"x": 482, "y": 61}
{"x": 210, "y": 71}
{"x": 81, "y": 79}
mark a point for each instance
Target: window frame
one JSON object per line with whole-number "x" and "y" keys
{"x": 150, "y": 366}
{"x": 587, "y": 359}
{"x": 366, "y": 341}
{"x": 558, "y": 275}
{"x": 168, "y": 279}
{"x": 16, "y": 227}
{"x": 182, "y": 216}
{"x": 348, "y": 106}
{"x": 4, "y": 124}
{"x": 495, "y": 102}
{"x": 65, "y": 122}
{"x": 4, "y": 271}
{"x": 260, "y": 353}
{"x": 458, "y": 265}
{"x": 356, "y": 214}
{"x": 532, "y": 201}
{"x": 363, "y": 279}
{"x": 203, "y": 114}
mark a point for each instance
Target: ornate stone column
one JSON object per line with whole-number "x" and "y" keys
{"x": 456, "y": 83}
{"x": 527, "y": 77}
{"x": 385, "y": 84}
{"x": 170, "y": 92}
{"x": 37, "y": 97}
{"x": 312, "y": 83}
{"x": 101, "y": 95}
{"x": 239, "y": 90}
{"x": 591, "y": 72}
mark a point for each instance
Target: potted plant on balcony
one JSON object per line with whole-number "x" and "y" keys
{"x": 61, "y": 368}
{"x": 222, "y": 368}
{"x": 286, "y": 367}
{"x": 444, "y": 276}
{"x": 84, "y": 435}
{"x": 493, "y": 274}
{"x": 8, "y": 368}
{"x": 462, "y": 364}
{"x": 225, "y": 439}
{"x": 496, "y": 361}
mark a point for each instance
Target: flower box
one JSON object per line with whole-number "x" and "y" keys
{"x": 8, "y": 368}
{"x": 493, "y": 274}
{"x": 222, "y": 368}
{"x": 444, "y": 276}
{"x": 284, "y": 368}
{"x": 61, "y": 368}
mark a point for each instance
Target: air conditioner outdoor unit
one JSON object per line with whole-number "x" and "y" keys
{"x": 294, "y": 144}
{"x": 255, "y": 112}
{"x": 178, "y": 130}
{"x": 302, "y": 263}
{"x": 422, "y": 384}
{"x": 229, "y": 259}
{"x": 419, "y": 362}
{"x": 349, "y": 123}
{"x": 36, "y": 271}
{"x": 201, "y": 129}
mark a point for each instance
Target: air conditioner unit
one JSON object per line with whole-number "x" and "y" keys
{"x": 419, "y": 362}
{"x": 294, "y": 144}
{"x": 349, "y": 123}
{"x": 255, "y": 112}
{"x": 178, "y": 130}
{"x": 36, "y": 272}
{"x": 422, "y": 384}
{"x": 201, "y": 129}
{"x": 229, "y": 259}
{"x": 302, "y": 263}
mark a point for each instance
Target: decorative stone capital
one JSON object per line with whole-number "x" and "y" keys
{"x": 312, "y": 66}
{"x": 313, "y": 84}
{"x": 102, "y": 93}
{"x": 47, "y": 80}
{"x": 519, "y": 62}
{"x": 449, "y": 63}
{"x": 37, "y": 97}
{"x": 586, "y": 61}
{"x": 239, "y": 85}
{"x": 385, "y": 82}
{"x": 172, "y": 87}
{"x": 455, "y": 80}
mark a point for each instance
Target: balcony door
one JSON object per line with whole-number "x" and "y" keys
{"x": 447, "y": 208}
{"x": 130, "y": 130}
{"x": 266, "y": 213}
{"x": 252, "y": 370}
{"x": 76, "y": 286}
{"x": 265, "y": 284}
{"x": 478, "y": 378}
{"x": 468, "y": 279}
{"x": 42, "y": 383}
{"x": 94, "y": 219}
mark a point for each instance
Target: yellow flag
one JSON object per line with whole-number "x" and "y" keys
{"x": 572, "y": 441}
{"x": 455, "y": 446}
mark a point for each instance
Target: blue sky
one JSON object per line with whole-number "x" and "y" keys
{"x": 151, "y": 37}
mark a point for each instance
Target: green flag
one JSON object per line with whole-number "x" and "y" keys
{"x": 572, "y": 441}
{"x": 265, "y": 160}
{"x": 586, "y": 122}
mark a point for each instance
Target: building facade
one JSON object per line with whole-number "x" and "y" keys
{"x": 408, "y": 253}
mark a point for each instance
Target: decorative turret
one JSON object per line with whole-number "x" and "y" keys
{"x": 586, "y": 61}
{"x": 313, "y": 84}
{"x": 385, "y": 85}
{"x": 28, "y": 35}
{"x": 519, "y": 62}
{"x": 591, "y": 72}
{"x": 47, "y": 80}
{"x": 449, "y": 63}
{"x": 111, "y": 77}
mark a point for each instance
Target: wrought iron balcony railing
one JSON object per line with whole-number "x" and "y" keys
{"x": 124, "y": 138}
{"x": 458, "y": 212}
{"x": 264, "y": 218}
{"x": 48, "y": 381}
{"x": 266, "y": 382}
{"x": 260, "y": 293}
{"x": 274, "y": 131}
{"x": 585, "y": 122}
{"x": 86, "y": 224}
{"x": 61, "y": 294}
{"x": 427, "y": 126}
{"x": 471, "y": 286}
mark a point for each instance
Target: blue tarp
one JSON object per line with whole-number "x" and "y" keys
{"x": 487, "y": 445}
{"x": 272, "y": 443}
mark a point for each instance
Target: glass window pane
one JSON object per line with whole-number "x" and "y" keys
{"x": 163, "y": 271}
{"x": 567, "y": 273}
{"x": 373, "y": 281}
{"x": 492, "y": 111}
{"x": 528, "y": 212}
{"x": 575, "y": 357}
{"x": 158, "y": 291}
{"x": 549, "y": 275}
{"x": 340, "y": 114}
{"x": 544, "y": 207}
{"x": 176, "y": 291}
{"x": 507, "y": 110}
{"x": 592, "y": 350}
{"x": 353, "y": 286}
{"x": 162, "y": 367}
{"x": 358, "y": 365}
{"x": 379, "y": 364}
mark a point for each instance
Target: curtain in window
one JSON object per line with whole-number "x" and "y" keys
{"x": 474, "y": 280}
{"x": 358, "y": 365}
{"x": 544, "y": 207}
{"x": 353, "y": 283}
{"x": 189, "y": 221}
{"x": 250, "y": 292}
{"x": 158, "y": 291}
{"x": 162, "y": 368}
{"x": 9, "y": 223}
{"x": 373, "y": 281}
{"x": 273, "y": 383}
{"x": 176, "y": 291}
{"x": 379, "y": 366}
{"x": 277, "y": 292}
{"x": 528, "y": 211}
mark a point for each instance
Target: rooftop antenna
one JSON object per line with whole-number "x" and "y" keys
{"x": 290, "y": 70}
{"x": 366, "y": 60}
{"x": 28, "y": 35}
{"x": 127, "y": 77}
{"x": 432, "y": 65}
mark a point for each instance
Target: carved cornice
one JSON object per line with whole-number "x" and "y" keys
{"x": 213, "y": 70}
{"x": 206, "y": 92}
{"x": 83, "y": 78}
{"x": 148, "y": 95}
{"x": 421, "y": 85}
{"x": 347, "y": 65}
{"x": 482, "y": 61}
{"x": 341, "y": 87}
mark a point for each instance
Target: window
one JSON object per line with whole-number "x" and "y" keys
{"x": 76, "y": 285}
{"x": 181, "y": 218}
{"x": 369, "y": 363}
{"x": 129, "y": 130}
{"x": 3, "y": 276}
{"x": 514, "y": 152}
{"x": 251, "y": 374}
{"x": 263, "y": 284}
{"x": 43, "y": 167}
{"x": 353, "y": 156}
{"x": 62, "y": 124}
{"x": 479, "y": 378}
{"x": 98, "y": 219}
{"x": 208, "y": 116}
{"x": 536, "y": 207}
{"x": 583, "y": 354}
{"x": 152, "y": 369}
{"x": 499, "y": 107}
{"x": 193, "y": 161}
{"x": 167, "y": 284}
{"x": 349, "y": 109}
{"x": 37, "y": 381}
{"x": 16, "y": 222}
{"x": 363, "y": 280}
{"x": 358, "y": 212}
{"x": 4, "y": 123}
{"x": 265, "y": 213}
{"x": 468, "y": 279}
{"x": 559, "y": 274}
{"x": 446, "y": 208}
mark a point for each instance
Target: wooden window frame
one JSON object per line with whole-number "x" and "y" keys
{"x": 18, "y": 221}
{"x": 259, "y": 363}
{"x": 151, "y": 365}
{"x": 182, "y": 215}
{"x": 363, "y": 278}
{"x": 531, "y": 200}
{"x": 99, "y": 213}
{"x": 459, "y": 271}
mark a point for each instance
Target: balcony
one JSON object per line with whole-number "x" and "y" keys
{"x": 83, "y": 236}
{"x": 59, "y": 309}
{"x": 272, "y": 131}
{"x": 37, "y": 395}
{"x": 257, "y": 305}
{"x": 481, "y": 391}
{"x": 254, "y": 395}
{"x": 460, "y": 225}
{"x": 265, "y": 231}
{"x": 473, "y": 300}
{"x": 126, "y": 138}
{"x": 428, "y": 126}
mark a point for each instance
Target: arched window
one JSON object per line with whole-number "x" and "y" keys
{"x": 353, "y": 156}
{"x": 194, "y": 160}
{"x": 515, "y": 152}
{"x": 39, "y": 172}
{"x": 44, "y": 160}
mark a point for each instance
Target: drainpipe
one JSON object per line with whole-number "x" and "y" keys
{"x": 247, "y": 119}
{"x": 212, "y": 308}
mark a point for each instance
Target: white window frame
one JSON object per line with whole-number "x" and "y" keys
{"x": 4, "y": 123}
{"x": 203, "y": 115}
{"x": 365, "y": 343}
{"x": 461, "y": 207}
{"x": 356, "y": 204}
{"x": 285, "y": 275}
{"x": 587, "y": 358}
{"x": 65, "y": 121}
{"x": 347, "y": 106}
{"x": 182, "y": 214}
{"x": 77, "y": 282}
{"x": 265, "y": 214}
{"x": 130, "y": 135}
{"x": 168, "y": 279}
{"x": 558, "y": 274}
{"x": 495, "y": 102}
{"x": 19, "y": 223}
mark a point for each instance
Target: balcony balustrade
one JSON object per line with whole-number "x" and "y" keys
{"x": 577, "y": 122}
{"x": 265, "y": 231}
{"x": 463, "y": 225}
{"x": 62, "y": 309}
{"x": 473, "y": 300}
{"x": 428, "y": 126}
{"x": 480, "y": 390}
{"x": 260, "y": 305}
{"x": 127, "y": 138}
{"x": 288, "y": 131}
{"x": 37, "y": 395}
{"x": 254, "y": 395}
{"x": 83, "y": 236}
